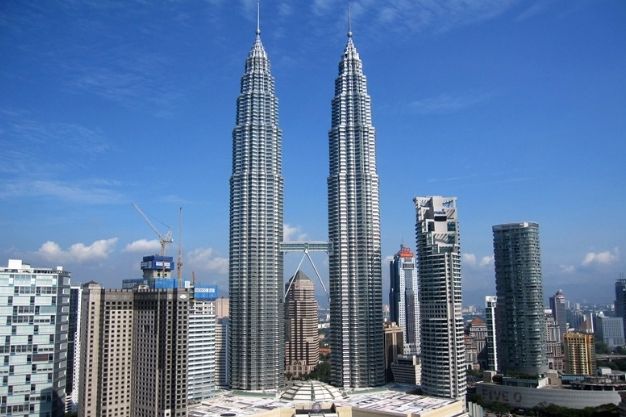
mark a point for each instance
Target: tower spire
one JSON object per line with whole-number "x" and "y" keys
{"x": 258, "y": 18}
{"x": 349, "y": 20}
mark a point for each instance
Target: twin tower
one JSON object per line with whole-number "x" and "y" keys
{"x": 256, "y": 232}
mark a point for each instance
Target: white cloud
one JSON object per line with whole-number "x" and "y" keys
{"x": 601, "y": 258}
{"x": 567, "y": 269}
{"x": 486, "y": 260}
{"x": 469, "y": 259}
{"x": 78, "y": 252}
{"x": 293, "y": 233}
{"x": 143, "y": 245}
{"x": 83, "y": 192}
{"x": 206, "y": 260}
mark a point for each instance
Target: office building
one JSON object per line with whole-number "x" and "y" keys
{"x": 476, "y": 340}
{"x": 160, "y": 355}
{"x": 620, "y": 300}
{"x": 355, "y": 275}
{"x": 201, "y": 361}
{"x": 394, "y": 345}
{"x": 407, "y": 369}
{"x": 491, "y": 303}
{"x": 580, "y": 356}
{"x": 256, "y": 231}
{"x": 302, "y": 344}
{"x": 73, "y": 351}
{"x": 520, "y": 319}
{"x": 559, "y": 311}
{"x": 106, "y": 355}
{"x": 439, "y": 275}
{"x": 403, "y": 298}
{"x": 221, "y": 307}
{"x": 222, "y": 352}
{"x": 609, "y": 330}
{"x": 34, "y": 309}
{"x": 554, "y": 346}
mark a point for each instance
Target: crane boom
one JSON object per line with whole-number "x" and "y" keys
{"x": 164, "y": 239}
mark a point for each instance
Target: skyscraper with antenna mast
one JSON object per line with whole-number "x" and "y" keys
{"x": 256, "y": 231}
{"x": 355, "y": 277}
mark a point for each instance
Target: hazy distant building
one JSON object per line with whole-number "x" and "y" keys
{"x": 106, "y": 356}
{"x": 256, "y": 231}
{"x": 72, "y": 380}
{"x": 403, "y": 298}
{"x": 222, "y": 352}
{"x": 520, "y": 319}
{"x": 34, "y": 304}
{"x": 476, "y": 340}
{"x": 394, "y": 344}
{"x": 610, "y": 330}
{"x": 580, "y": 357}
{"x": 620, "y": 300}
{"x": 160, "y": 356}
{"x": 491, "y": 341}
{"x": 554, "y": 346}
{"x": 221, "y": 307}
{"x": 302, "y": 344}
{"x": 439, "y": 274}
{"x": 355, "y": 276}
{"x": 202, "y": 361}
{"x": 559, "y": 311}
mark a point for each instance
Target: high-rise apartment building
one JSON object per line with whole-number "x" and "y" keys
{"x": 302, "y": 345}
{"x": 34, "y": 308}
{"x": 106, "y": 354}
{"x": 201, "y": 362}
{"x": 355, "y": 276}
{"x": 160, "y": 355}
{"x": 222, "y": 352}
{"x": 519, "y": 316}
{"x": 439, "y": 275}
{"x": 554, "y": 345}
{"x": 580, "y": 354}
{"x": 73, "y": 351}
{"x": 256, "y": 231}
{"x": 491, "y": 303}
{"x": 403, "y": 298}
{"x": 559, "y": 311}
{"x": 620, "y": 300}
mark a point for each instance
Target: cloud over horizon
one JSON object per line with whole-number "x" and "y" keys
{"x": 77, "y": 252}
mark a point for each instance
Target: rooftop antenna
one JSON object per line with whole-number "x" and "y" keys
{"x": 179, "y": 260}
{"x": 258, "y": 17}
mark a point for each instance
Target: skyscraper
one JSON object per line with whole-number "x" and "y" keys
{"x": 520, "y": 319}
{"x": 256, "y": 231}
{"x": 491, "y": 303}
{"x": 201, "y": 350}
{"x": 302, "y": 346}
{"x": 620, "y": 301}
{"x": 355, "y": 276}
{"x": 403, "y": 298}
{"x": 439, "y": 274}
{"x": 34, "y": 304}
{"x": 73, "y": 351}
{"x": 559, "y": 311}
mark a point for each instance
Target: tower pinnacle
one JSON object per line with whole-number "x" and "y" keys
{"x": 349, "y": 20}
{"x": 258, "y": 18}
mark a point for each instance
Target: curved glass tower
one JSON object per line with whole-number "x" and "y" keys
{"x": 356, "y": 335}
{"x": 256, "y": 230}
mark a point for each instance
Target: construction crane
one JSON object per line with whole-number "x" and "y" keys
{"x": 179, "y": 259}
{"x": 164, "y": 239}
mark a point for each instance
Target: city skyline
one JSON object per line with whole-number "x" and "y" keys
{"x": 88, "y": 130}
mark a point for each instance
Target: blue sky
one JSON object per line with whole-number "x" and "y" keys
{"x": 518, "y": 108}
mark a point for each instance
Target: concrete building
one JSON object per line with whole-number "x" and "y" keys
{"x": 559, "y": 311}
{"x": 73, "y": 351}
{"x": 106, "y": 355}
{"x": 256, "y": 231}
{"x": 407, "y": 369}
{"x": 554, "y": 345}
{"x": 580, "y": 354}
{"x": 355, "y": 275}
{"x": 439, "y": 275}
{"x": 160, "y": 356}
{"x": 394, "y": 344}
{"x": 609, "y": 330}
{"x": 302, "y": 344}
{"x": 620, "y": 300}
{"x": 202, "y": 366}
{"x": 221, "y": 307}
{"x": 156, "y": 273}
{"x": 491, "y": 303}
{"x": 520, "y": 319}
{"x": 403, "y": 298}
{"x": 222, "y": 352}
{"x": 476, "y": 344}
{"x": 34, "y": 309}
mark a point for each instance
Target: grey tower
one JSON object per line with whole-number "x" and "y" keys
{"x": 439, "y": 276}
{"x": 559, "y": 312}
{"x": 520, "y": 319}
{"x": 256, "y": 230}
{"x": 356, "y": 328}
{"x": 620, "y": 300}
